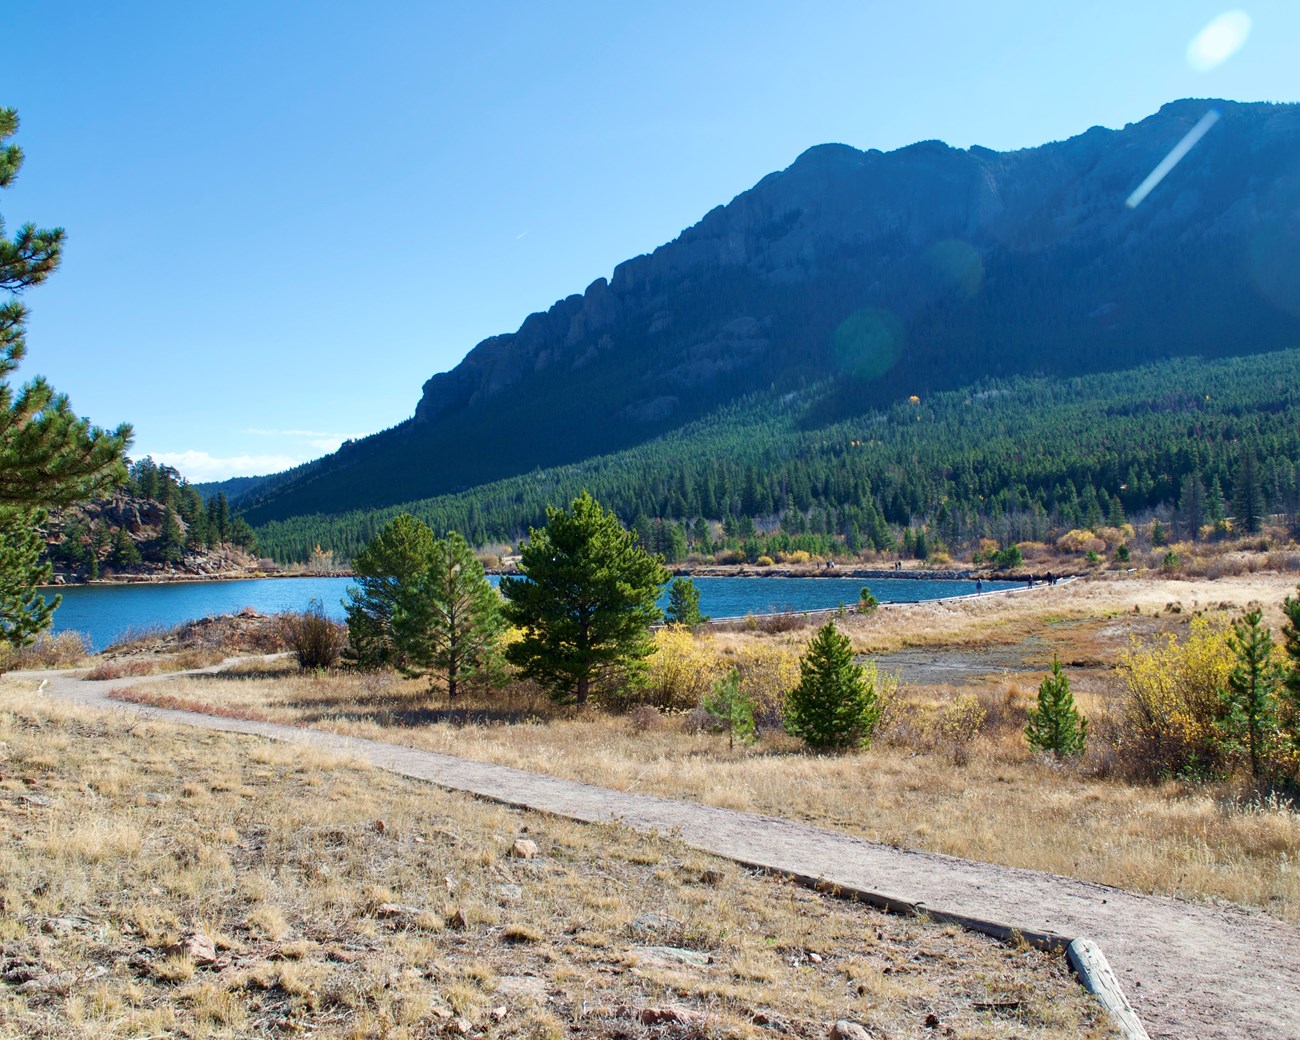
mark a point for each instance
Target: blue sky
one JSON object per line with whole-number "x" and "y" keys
{"x": 284, "y": 216}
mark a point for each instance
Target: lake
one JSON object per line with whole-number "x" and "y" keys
{"x": 106, "y": 613}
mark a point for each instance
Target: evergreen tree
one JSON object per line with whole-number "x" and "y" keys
{"x": 171, "y": 539}
{"x": 834, "y": 706}
{"x": 1248, "y": 493}
{"x": 1291, "y": 677}
{"x": 585, "y": 602}
{"x": 48, "y": 456}
{"x": 124, "y": 552}
{"x": 387, "y": 572}
{"x": 23, "y": 610}
{"x": 732, "y": 707}
{"x": 1250, "y": 705}
{"x": 449, "y": 624}
{"x": 1056, "y": 725}
{"x": 684, "y": 603}
{"x": 1191, "y": 505}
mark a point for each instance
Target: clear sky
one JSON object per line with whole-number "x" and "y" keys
{"x": 283, "y": 216}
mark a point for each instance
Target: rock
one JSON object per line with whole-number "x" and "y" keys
{"x": 711, "y": 877}
{"x": 655, "y": 924}
{"x": 524, "y": 848}
{"x": 387, "y": 911}
{"x": 499, "y": 1015}
{"x": 816, "y": 958}
{"x": 668, "y": 955}
{"x": 65, "y": 925}
{"x": 458, "y": 1027}
{"x": 522, "y": 988}
{"x": 198, "y": 947}
{"x": 845, "y": 1029}
{"x": 458, "y": 920}
{"x": 672, "y": 1015}
{"x": 931, "y": 1021}
{"x": 510, "y": 893}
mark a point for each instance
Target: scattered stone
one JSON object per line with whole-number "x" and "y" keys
{"x": 712, "y": 877}
{"x": 458, "y": 920}
{"x": 499, "y": 1015}
{"x": 816, "y": 958}
{"x": 524, "y": 848}
{"x": 846, "y": 1029}
{"x": 522, "y": 988}
{"x": 459, "y": 1027}
{"x": 198, "y": 947}
{"x": 510, "y": 893}
{"x": 32, "y": 799}
{"x": 666, "y": 955}
{"x": 388, "y": 911}
{"x": 673, "y": 1015}
{"x": 66, "y": 925}
{"x": 655, "y": 924}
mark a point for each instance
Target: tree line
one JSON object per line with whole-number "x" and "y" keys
{"x": 1202, "y": 444}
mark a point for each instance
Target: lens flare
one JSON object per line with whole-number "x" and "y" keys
{"x": 1174, "y": 157}
{"x": 1218, "y": 41}
{"x": 868, "y": 343}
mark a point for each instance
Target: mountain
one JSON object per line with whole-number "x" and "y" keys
{"x": 888, "y": 274}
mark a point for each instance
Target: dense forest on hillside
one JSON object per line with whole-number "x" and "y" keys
{"x": 1194, "y": 440}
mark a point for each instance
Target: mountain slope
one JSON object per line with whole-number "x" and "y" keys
{"x": 891, "y": 273}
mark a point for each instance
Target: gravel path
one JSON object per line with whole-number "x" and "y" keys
{"x": 1190, "y": 970}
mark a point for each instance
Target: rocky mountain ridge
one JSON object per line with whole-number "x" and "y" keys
{"x": 886, "y": 274}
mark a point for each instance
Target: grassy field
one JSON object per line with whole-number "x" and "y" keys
{"x": 920, "y": 786}
{"x": 159, "y": 881}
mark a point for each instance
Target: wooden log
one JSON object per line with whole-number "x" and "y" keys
{"x": 1094, "y": 971}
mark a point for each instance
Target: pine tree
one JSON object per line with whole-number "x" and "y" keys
{"x": 586, "y": 601}
{"x": 171, "y": 539}
{"x": 1250, "y": 705}
{"x": 1056, "y": 725}
{"x": 834, "y": 706}
{"x": 449, "y": 623}
{"x": 1291, "y": 677}
{"x": 124, "y": 552}
{"x": 684, "y": 603}
{"x": 1248, "y": 493}
{"x": 48, "y": 456}
{"x": 733, "y": 708}
{"x": 386, "y": 572}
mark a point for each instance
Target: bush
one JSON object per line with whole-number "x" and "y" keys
{"x": 315, "y": 639}
{"x": 958, "y": 724}
{"x": 766, "y": 673}
{"x": 679, "y": 672}
{"x": 833, "y": 707}
{"x": 1169, "y": 719}
{"x": 47, "y": 650}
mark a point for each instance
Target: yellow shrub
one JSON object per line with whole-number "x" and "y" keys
{"x": 764, "y": 561}
{"x": 798, "y": 556}
{"x": 681, "y": 670}
{"x": 1080, "y": 542}
{"x": 1172, "y": 703}
{"x": 767, "y": 672}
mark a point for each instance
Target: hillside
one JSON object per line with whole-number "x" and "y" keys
{"x": 888, "y": 274}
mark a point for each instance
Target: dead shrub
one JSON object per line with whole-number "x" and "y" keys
{"x": 315, "y": 639}
{"x": 47, "y": 650}
{"x": 644, "y": 718}
{"x": 120, "y": 669}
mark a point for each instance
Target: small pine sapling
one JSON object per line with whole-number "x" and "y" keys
{"x": 684, "y": 604}
{"x": 1250, "y": 707}
{"x": 1291, "y": 676}
{"x": 834, "y": 707}
{"x": 733, "y": 708}
{"x": 1056, "y": 725}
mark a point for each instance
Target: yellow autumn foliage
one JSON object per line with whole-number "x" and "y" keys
{"x": 1169, "y": 717}
{"x": 681, "y": 670}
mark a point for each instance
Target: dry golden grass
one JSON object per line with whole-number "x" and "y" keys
{"x": 986, "y": 799}
{"x": 337, "y": 901}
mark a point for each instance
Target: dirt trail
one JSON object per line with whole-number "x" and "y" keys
{"x": 1189, "y": 970}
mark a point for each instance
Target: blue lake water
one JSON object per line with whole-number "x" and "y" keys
{"x": 106, "y": 613}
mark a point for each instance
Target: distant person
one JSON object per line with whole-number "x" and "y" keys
{"x": 1029, "y": 582}
{"x": 1051, "y": 578}
{"x": 979, "y": 586}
